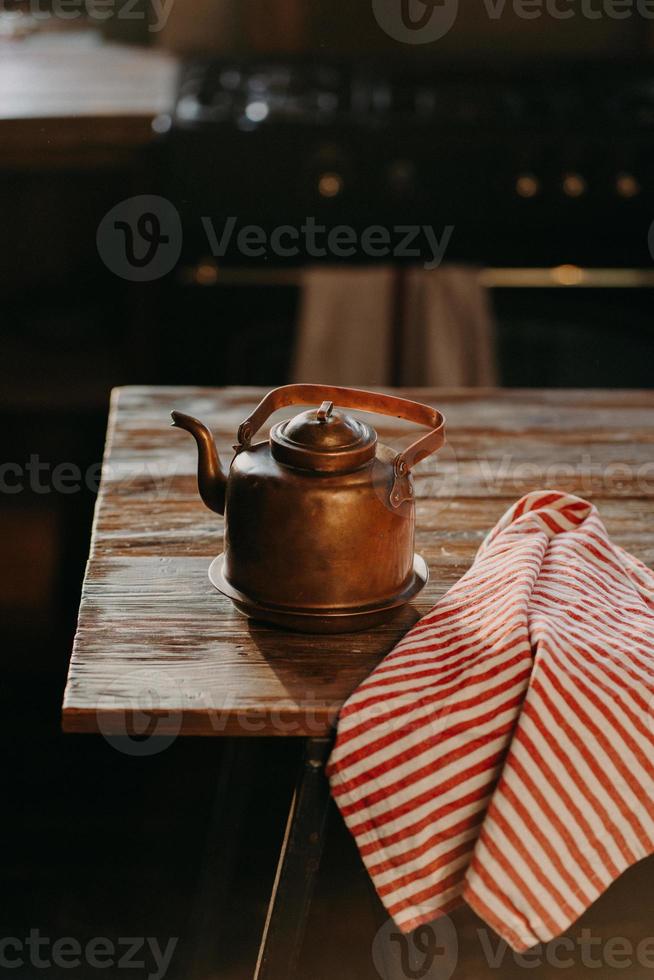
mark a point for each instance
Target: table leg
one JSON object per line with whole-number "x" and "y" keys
{"x": 298, "y": 865}
{"x": 236, "y": 785}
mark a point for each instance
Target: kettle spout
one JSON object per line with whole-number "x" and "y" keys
{"x": 212, "y": 482}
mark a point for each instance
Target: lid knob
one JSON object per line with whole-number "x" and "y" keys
{"x": 323, "y": 439}
{"x": 324, "y": 411}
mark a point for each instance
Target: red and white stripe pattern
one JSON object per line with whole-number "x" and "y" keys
{"x": 503, "y": 753}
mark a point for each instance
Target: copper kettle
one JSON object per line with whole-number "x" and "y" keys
{"x": 320, "y": 519}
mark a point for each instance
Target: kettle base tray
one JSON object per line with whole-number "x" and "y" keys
{"x": 350, "y": 620}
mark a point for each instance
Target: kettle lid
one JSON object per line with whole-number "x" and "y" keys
{"x": 323, "y": 440}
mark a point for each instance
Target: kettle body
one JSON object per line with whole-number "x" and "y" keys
{"x": 320, "y": 518}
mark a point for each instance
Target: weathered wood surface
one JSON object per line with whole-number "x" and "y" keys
{"x": 155, "y": 638}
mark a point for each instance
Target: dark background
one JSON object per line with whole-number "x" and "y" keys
{"x": 98, "y": 843}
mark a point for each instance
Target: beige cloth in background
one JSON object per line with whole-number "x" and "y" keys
{"x": 345, "y": 326}
{"x": 353, "y": 320}
{"x": 448, "y": 329}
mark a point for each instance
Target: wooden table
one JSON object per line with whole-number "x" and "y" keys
{"x": 155, "y": 638}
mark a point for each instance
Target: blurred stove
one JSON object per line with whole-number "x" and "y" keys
{"x": 216, "y": 92}
{"x": 544, "y": 168}
{"x": 536, "y": 167}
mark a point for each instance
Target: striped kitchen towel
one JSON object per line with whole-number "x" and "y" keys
{"x": 503, "y": 753}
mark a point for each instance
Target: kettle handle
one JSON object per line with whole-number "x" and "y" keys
{"x": 365, "y": 401}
